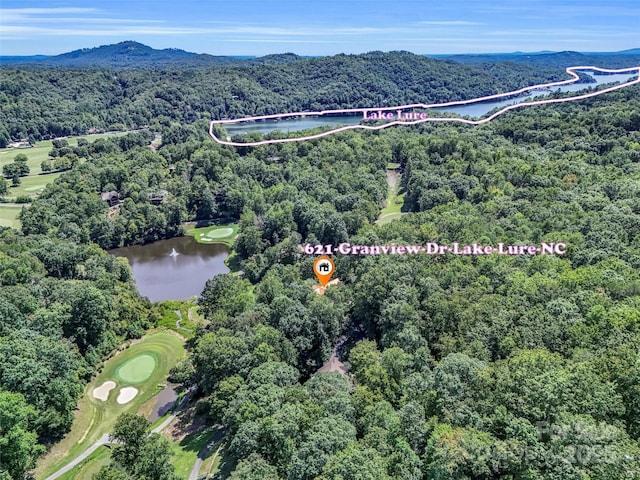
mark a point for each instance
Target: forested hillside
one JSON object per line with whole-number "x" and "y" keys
{"x": 473, "y": 367}
{"x": 39, "y": 102}
{"x": 551, "y": 59}
{"x": 63, "y": 307}
{"x": 463, "y": 367}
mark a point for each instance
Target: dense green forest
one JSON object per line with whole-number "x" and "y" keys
{"x": 472, "y": 367}
{"x": 44, "y": 102}
{"x": 461, "y": 367}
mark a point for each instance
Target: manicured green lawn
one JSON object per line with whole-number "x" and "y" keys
{"x": 211, "y": 463}
{"x": 36, "y": 155}
{"x": 390, "y": 217}
{"x": 185, "y": 456}
{"x": 136, "y": 370}
{"x": 394, "y": 202}
{"x": 96, "y": 417}
{"x": 224, "y": 234}
{"x": 9, "y": 213}
{"x": 218, "y": 233}
{"x": 32, "y": 185}
{"x": 186, "y": 451}
{"x": 40, "y": 152}
{"x": 194, "y": 311}
{"x": 91, "y": 465}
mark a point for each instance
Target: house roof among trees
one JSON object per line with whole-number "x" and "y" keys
{"x": 108, "y": 196}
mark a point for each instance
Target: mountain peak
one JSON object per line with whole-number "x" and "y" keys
{"x": 127, "y": 53}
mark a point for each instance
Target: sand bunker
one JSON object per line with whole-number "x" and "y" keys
{"x": 126, "y": 395}
{"x": 102, "y": 392}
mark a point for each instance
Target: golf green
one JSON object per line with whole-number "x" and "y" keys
{"x": 219, "y": 233}
{"x": 33, "y": 188}
{"x": 136, "y": 370}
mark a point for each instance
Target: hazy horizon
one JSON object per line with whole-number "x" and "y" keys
{"x": 515, "y": 52}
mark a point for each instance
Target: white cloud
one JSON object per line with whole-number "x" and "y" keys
{"x": 27, "y": 14}
{"x": 58, "y": 20}
{"x": 556, "y": 32}
{"x": 116, "y": 29}
{"x": 450, "y": 23}
{"x": 569, "y": 10}
{"x": 47, "y": 11}
{"x": 304, "y": 30}
{"x": 273, "y": 40}
{"x": 75, "y": 22}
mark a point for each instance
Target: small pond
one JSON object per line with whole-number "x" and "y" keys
{"x": 174, "y": 269}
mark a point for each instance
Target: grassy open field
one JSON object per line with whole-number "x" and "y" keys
{"x": 224, "y": 234}
{"x": 211, "y": 464}
{"x": 186, "y": 452}
{"x": 32, "y": 185}
{"x": 40, "y": 151}
{"x": 95, "y": 417}
{"x": 191, "y": 319}
{"x": 394, "y": 204}
{"x": 395, "y": 200}
{"x": 9, "y": 213}
{"x": 389, "y": 217}
{"x": 185, "y": 455}
{"x": 91, "y": 465}
{"x": 35, "y": 182}
{"x": 36, "y": 155}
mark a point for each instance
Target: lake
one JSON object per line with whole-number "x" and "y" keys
{"x": 291, "y": 124}
{"x": 174, "y": 269}
{"x": 481, "y": 109}
{"x": 473, "y": 110}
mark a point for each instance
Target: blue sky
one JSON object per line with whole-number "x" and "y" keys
{"x": 320, "y": 27}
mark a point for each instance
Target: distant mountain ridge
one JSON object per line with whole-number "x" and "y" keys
{"x": 128, "y": 49}
{"x": 22, "y": 59}
{"x": 131, "y": 54}
{"x": 552, "y": 59}
{"x": 632, "y": 51}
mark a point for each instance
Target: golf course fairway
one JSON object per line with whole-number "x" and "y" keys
{"x": 141, "y": 367}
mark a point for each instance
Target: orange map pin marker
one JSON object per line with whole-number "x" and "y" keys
{"x": 324, "y": 267}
